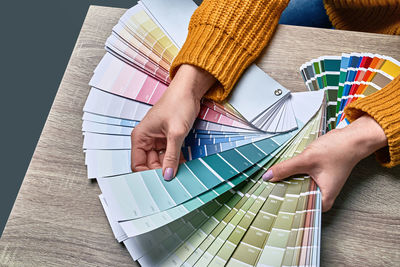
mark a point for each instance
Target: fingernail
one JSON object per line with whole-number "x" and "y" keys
{"x": 268, "y": 175}
{"x": 168, "y": 173}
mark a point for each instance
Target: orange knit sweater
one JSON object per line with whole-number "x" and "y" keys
{"x": 225, "y": 37}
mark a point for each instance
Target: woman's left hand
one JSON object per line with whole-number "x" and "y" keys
{"x": 330, "y": 159}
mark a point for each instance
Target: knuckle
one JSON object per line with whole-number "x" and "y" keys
{"x": 171, "y": 158}
{"x": 309, "y": 158}
{"x": 177, "y": 132}
{"x": 277, "y": 170}
{"x": 134, "y": 132}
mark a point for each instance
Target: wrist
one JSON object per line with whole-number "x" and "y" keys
{"x": 191, "y": 81}
{"x": 367, "y": 136}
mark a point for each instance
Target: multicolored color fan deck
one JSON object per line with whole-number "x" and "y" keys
{"x": 217, "y": 210}
{"x": 346, "y": 78}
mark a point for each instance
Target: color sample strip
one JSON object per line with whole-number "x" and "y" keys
{"x": 289, "y": 258}
{"x": 304, "y": 256}
{"x": 105, "y": 129}
{"x": 87, "y": 116}
{"x": 354, "y": 62}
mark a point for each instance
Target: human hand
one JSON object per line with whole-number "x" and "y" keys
{"x": 167, "y": 123}
{"x": 330, "y": 159}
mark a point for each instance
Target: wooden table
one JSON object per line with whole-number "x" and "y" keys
{"x": 57, "y": 219}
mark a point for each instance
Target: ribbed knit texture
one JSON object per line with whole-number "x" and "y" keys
{"x": 379, "y": 16}
{"x": 225, "y": 37}
{"x": 384, "y": 107}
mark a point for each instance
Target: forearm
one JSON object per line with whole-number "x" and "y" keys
{"x": 384, "y": 107}
{"x": 191, "y": 82}
{"x": 365, "y": 136}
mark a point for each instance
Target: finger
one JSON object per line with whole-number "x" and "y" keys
{"x": 140, "y": 168}
{"x": 327, "y": 203}
{"x": 161, "y": 155}
{"x": 172, "y": 157}
{"x": 181, "y": 159}
{"x": 153, "y": 161}
{"x": 284, "y": 169}
{"x": 330, "y": 186}
{"x": 138, "y": 160}
{"x": 138, "y": 155}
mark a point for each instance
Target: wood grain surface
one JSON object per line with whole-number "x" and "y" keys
{"x": 57, "y": 219}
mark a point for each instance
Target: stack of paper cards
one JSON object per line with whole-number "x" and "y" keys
{"x": 141, "y": 49}
{"x": 217, "y": 210}
{"x": 346, "y": 78}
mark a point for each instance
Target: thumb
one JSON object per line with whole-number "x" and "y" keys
{"x": 172, "y": 156}
{"x": 284, "y": 169}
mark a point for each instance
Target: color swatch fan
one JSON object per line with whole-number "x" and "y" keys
{"x": 217, "y": 210}
{"x": 346, "y": 78}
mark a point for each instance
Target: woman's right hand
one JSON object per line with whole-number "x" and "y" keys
{"x": 167, "y": 123}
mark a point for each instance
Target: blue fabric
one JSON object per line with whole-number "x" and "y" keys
{"x": 306, "y": 13}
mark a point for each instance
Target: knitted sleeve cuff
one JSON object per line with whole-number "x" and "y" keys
{"x": 384, "y": 107}
{"x": 216, "y": 52}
